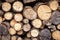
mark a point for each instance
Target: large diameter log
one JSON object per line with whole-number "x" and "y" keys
{"x": 44, "y": 12}
{"x": 29, "y": 13}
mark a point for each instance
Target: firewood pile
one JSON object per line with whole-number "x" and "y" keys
{"x": 29, "y": 19}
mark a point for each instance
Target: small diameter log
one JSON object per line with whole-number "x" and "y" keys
{"x": 58, "y": 26}
{"x": 37, "y": 23}
{"x": 18, "y": 17}
{"x": 56, "y": 35}
{"x": 44, "y": 12}
{"x": 34, "y": 33}
{"x": 26, "y": 27}
{"x": 12, "y": 22}
{"x": 25, "y": 21}
{"x": 19, "y": 38}
{"x": 13, "y": 37}
{"x": 17, "y": 6}
{"x": 54, "y": 5}
{"x": 20, "y": 32}
{"x": 28, "y": 35}
{"x": 1, "y": 19}
{"x": 12, "y": 31}
{"x": 28, "y": 1}
{"x": 10, "y": 1}
{"x": 6, "y": 6}
{"x": 29, "y": 13}
{"x": 17, "y": 26}
{"x": 8, "y": 15}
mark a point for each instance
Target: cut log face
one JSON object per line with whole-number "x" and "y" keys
{"x": 12, "y": 31}
{"x": 28, "y": 1}
{"x": 6, "y": 6}
{"x": 54, "y": 5}
{"x": 26, "y": 27}
{"x": 13, "y": 38}
{"x": 28, "y": 34}
{"x": 20, "y": 32}
{"x": 25, "y": 21}
{"x": 44, "y": 12}
{"x": 55, "y": 18}
{"x": 18, "y": 6}
{"x": 29, "y": 13}
{"x": 56, "y": 35}
{"x": 12, "y": 22}
{"x": 18, "y": 17}
{"x": 34, "y": 38}
{"x": 45, "y": 34}
{"x": 19, "y": 38}
{"x": 3, "y": 30}
{"x": 34, "y": 33}
{"x": 17, "y": 26}
{"x": 58, "y": 26}
{"x": 37, "y": 23}
{"x": 8, "y": 16}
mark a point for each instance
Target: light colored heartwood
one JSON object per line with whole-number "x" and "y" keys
{"x": 17, "y": 6}
{"x": 17, "y": 26}
{"x": 6, "y": 6}
{"x": 37, "y": 23}
{"x": 8, "y": 16}
{"x": 12, "y": 22}
{"x": 13, "y": 38}
{"x": 26, "y": 27}
{"x": 56, "y": 35}
{"x": 58, "y": 26}
{"x": 12, "y": 31}
{"x": 54, "y": 5}
{"x": 29, "y": 13}
{"x": 18, "y": 17}
{"x": 34, "y": 33}
{"x": 44, "y": 12}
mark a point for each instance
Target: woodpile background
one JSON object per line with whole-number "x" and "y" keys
{"x": 29, "y": 19}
